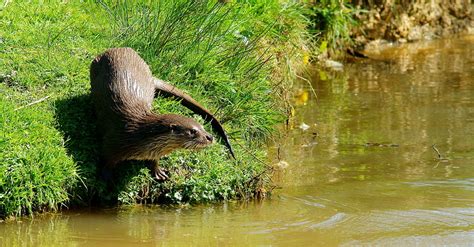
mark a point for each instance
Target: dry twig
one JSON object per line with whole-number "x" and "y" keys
{"x": 33, "y": 103}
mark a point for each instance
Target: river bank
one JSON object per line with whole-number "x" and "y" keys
{"x": 234, "y": 59}
{"x": 239, "y": 60}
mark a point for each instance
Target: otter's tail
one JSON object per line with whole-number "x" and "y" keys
{"x": 167, "y": 90}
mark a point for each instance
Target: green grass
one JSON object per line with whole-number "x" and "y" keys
{"x": 45, "y": 51}
{"x": 331, "y": 22}
{"x": 234, "y": 59}
{"x": 35, "y": 171}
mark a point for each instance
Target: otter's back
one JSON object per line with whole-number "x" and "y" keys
{"x": 121, "y": 87}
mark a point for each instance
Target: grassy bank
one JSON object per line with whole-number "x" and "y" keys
{"x": 232, "y": 58}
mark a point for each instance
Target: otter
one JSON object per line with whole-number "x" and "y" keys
{"x": 122, "y": 90}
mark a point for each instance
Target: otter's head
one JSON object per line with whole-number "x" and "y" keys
{"x": 189, "y": 133}
{"x": 161, "y": 134}
{"x": 182, "y": 132}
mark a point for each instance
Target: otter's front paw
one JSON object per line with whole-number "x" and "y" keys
{"x": 160, "y": 174}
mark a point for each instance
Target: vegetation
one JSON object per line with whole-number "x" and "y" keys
{"x": 331, "y": 24}
{"x": 231, "y": 58}
{"x": 237, "y": 59}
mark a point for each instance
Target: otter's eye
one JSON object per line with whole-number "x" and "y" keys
{"x": 193, "y": 132}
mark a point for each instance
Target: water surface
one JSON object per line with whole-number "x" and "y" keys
{"x": 363, "y": 173}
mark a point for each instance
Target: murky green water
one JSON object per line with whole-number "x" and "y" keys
{"x": 363, "y": 173}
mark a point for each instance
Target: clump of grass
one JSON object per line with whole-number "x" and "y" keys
{"x": 35, "y": 172}
{"x": 286, "y": 38}
{"x": 331, "y": 23}
{"x": 196, "y": 180}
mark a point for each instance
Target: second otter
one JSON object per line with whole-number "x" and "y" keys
{"x": 123, "y": 89}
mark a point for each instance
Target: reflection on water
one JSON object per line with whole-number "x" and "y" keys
{"x": 364, "y": 173}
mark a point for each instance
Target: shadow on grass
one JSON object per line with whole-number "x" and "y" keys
{"x": 76, "y": 120}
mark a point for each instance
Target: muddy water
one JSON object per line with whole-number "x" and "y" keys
{"x": 364, "y": 172}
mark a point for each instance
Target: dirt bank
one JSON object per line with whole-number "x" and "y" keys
{"x": 406, "y": 21}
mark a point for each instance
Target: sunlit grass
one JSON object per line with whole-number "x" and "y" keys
{"x": 331, "y": 23}
{"x": 35, "y": 171}
{"x": 45, "y": 54}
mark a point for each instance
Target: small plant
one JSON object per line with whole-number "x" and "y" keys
{"x": 331, "y": 23}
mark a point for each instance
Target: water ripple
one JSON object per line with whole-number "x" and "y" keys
{"x": 331, "y": 222}
{"x": 424, "y": 220}
{"x": 466, "y": 184}
{"x": 463, "y": 238}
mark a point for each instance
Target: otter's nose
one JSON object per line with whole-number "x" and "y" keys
{"x": 209, "y": 138}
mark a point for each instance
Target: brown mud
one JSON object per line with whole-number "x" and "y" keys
{"x": 385, "y": 21}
